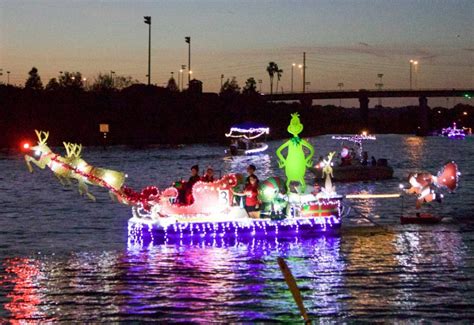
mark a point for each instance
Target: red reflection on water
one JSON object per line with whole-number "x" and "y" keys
{"x": 24, "y": 274}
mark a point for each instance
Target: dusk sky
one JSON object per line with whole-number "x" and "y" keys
{"x": 345, "y": 41}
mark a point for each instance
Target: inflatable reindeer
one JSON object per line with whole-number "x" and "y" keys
{"x": 46, "y": 157}
{"x": 88, "y": 174}
{"x": 422, "y": 183}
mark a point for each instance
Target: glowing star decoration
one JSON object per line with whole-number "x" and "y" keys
{"x": 328, "y": 190}
{"x": 295, "y": 163}
{"x": 422, "y": 183}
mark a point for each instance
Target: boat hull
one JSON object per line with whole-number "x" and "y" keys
{"x": 146, "y": 231}
{"x": 422, "y": 219}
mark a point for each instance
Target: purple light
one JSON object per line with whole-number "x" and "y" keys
{"x": 142, "y": 231}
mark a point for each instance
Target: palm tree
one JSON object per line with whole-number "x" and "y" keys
{"x": 271, "y": 69}
{"x": 279, "y": 72}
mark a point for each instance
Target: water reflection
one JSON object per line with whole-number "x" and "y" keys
{"x": 199, "y": 283}
{"x": 22, "y": 277}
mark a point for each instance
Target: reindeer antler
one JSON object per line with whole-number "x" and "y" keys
{"x": 41, "y": 139}
{"x": 77, "y": 148}
{"x": 68, "y": 148}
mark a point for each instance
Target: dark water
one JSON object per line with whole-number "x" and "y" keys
{"x": 64, "y": 258}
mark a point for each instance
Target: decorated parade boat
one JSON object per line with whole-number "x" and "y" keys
{"x": 246, "y": 139}
{"x": 212, "y": 210}
{"x": 453, "y": 132}
{"x": 209, "y": 209}
{"x": 355, "y": 165}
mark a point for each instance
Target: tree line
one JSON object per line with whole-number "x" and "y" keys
{"x": 139, "y": 115}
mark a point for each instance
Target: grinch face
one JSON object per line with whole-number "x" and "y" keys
{"x": 295, "y": 126}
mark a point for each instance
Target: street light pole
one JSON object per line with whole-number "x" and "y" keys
{"x": 183, "y": 67}
{"x": 292, "y": 67}
{"x": 304, "y": 72}
{"x": 260, "y": 85}
{"x": 112, "y": 77}
{"x": 148, "y": 22}
{"x": 8, "y": 77}
{"x": 188, "y": 40}
{"x": 412, "y": 62}
{"x": 222, "y": 79}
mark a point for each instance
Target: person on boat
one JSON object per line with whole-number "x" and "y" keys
{"x": 252, "y": 203}
{"x": 373, "y": 161}
{"x": 208, "y": 176}
{"x": 365, "y": 158}
{"x": 251, "y": 172}
{"x": 346, "y": 159}
{"x": 189, "y": 185}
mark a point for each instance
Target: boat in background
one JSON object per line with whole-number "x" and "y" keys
{"x": 356, "y": 167}
{"x": 453, "y": 132}
{"x": 246, "y": 139}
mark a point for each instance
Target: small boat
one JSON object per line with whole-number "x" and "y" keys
{"x": 356, "y": 167}
{"x": 453, "y": 132}
{"x": 422, "y": 218}
{"x": 245, "y": 139}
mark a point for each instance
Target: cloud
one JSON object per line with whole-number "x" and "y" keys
{"x": 364, "y": 44}
{"x": 469, "y": 49}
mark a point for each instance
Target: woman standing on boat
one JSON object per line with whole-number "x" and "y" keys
{"x": 252, "y": 203}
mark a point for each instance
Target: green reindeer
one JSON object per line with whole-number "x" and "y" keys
{"x": 295, "y": 163}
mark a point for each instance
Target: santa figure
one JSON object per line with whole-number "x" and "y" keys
{"x": 423, "y": 184}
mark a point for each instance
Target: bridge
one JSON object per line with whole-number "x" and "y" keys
{"x": 364, "y": 95}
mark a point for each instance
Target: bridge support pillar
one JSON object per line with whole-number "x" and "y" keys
{"x": 423, "y": 117}
{"x": 364, "y": 111}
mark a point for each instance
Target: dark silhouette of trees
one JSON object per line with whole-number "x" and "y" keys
{"x": 34, "y": 80}
{"x": 172, "y": 85}
{"x": 53, "y": 84}
{"x": 250, "y": 87}
{"x": 71, "y": 80}
{"x": 105, "y": 82}
{"x": 272, "y": 68}
{"x": 230, "y": 88}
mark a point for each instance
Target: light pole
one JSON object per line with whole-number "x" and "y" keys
{"x": 188, "y": 40}
{"x": 148, "y": 22}
{"x": 112, "y": 77}
{"x": 183, "y": 67}
{"x": 8, "y": 77}
{"x": 340, "y": 85}
{"x": 300, "y": 66}
{"x": 222, "y": 79}
{"x": 412, "y": 63}
{"x": 84, "y": 81}
{"x": 379, "y": 86}
{"x": 260, "y": 85}
{"x": 304, "y": 72}
{"x": 292, "y": 67}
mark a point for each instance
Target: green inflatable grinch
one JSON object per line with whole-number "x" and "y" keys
{"x": 295, "y": 163}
